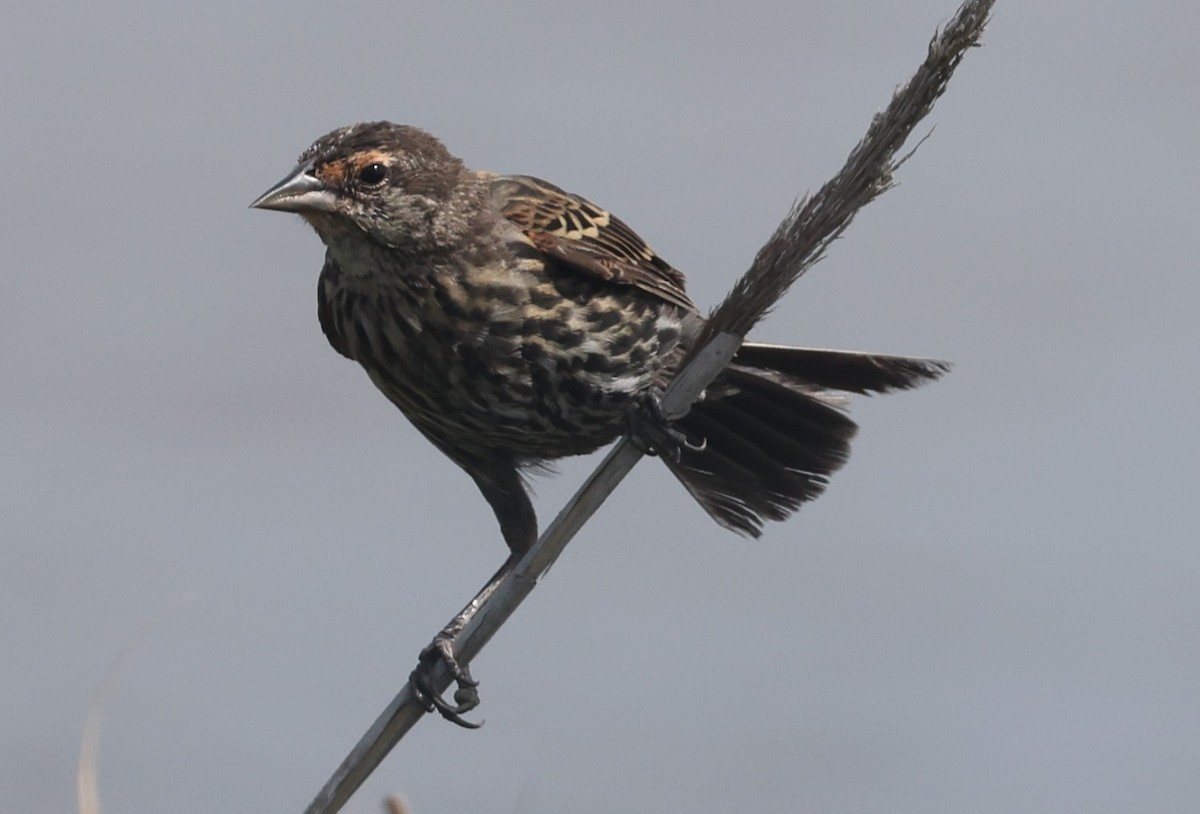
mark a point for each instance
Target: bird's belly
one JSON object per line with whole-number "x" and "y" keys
{"x": 537, "y": 382}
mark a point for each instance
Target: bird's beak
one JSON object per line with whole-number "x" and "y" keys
{"x": 300, "y": 191}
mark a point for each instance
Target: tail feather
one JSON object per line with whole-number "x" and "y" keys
{"x": 767, "y": 486}
{"x": 753, "y": 429}
{"x": 772, "y": 437}
{"x": 799, "y": 411}
{"x": 769, "y": 448}
{"x": 843, "y": 370}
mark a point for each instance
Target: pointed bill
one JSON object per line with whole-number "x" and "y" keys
{"x": 300, "y": 191}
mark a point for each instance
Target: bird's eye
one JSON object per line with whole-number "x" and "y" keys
{"x": 373, "y": 174}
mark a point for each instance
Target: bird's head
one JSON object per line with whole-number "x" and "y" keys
{"x": 393, "y": 183}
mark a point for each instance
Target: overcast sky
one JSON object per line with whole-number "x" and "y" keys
{"x": 995, "y": 608}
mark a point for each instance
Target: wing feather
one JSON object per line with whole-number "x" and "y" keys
{"x": 585, "y": 237}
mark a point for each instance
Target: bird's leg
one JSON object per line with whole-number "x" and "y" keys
{"x": 653, "y": 433}
{"x": 466, "y": 696}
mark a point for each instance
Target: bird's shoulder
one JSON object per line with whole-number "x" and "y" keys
{"x": 574, "y": 232}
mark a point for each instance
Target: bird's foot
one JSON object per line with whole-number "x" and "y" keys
{"x": 466, "y": 696}
{"x": 653, "y": 433}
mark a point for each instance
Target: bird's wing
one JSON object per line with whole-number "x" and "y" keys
{"x": 588, "y": 239}
{"x": 325, "y": 286}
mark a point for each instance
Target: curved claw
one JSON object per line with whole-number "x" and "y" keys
{"x": 652, "y": 432}
{"x": 466, "y": 697}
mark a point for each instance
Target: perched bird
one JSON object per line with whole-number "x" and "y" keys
{"x": 514, "y": 323}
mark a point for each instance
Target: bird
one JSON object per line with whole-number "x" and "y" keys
{"x": 514, "y": 323}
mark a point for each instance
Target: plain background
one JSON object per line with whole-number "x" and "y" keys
{"x": 995, "y": 608}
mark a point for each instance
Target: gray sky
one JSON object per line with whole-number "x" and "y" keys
{"x": 995, "y": 608}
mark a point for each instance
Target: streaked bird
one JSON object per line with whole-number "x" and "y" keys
{"x": 514, "y": 323}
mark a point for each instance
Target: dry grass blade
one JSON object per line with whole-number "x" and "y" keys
{"x": 87, "y": 770}
{"x": 818, "y": 220}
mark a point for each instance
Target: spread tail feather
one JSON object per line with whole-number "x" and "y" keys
{"x": 772, "y": 436}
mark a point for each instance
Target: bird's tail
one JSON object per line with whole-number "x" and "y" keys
{"x": 773, "y": 431}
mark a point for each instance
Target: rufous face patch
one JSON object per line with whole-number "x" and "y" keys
{"x": 335, "y": 173}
